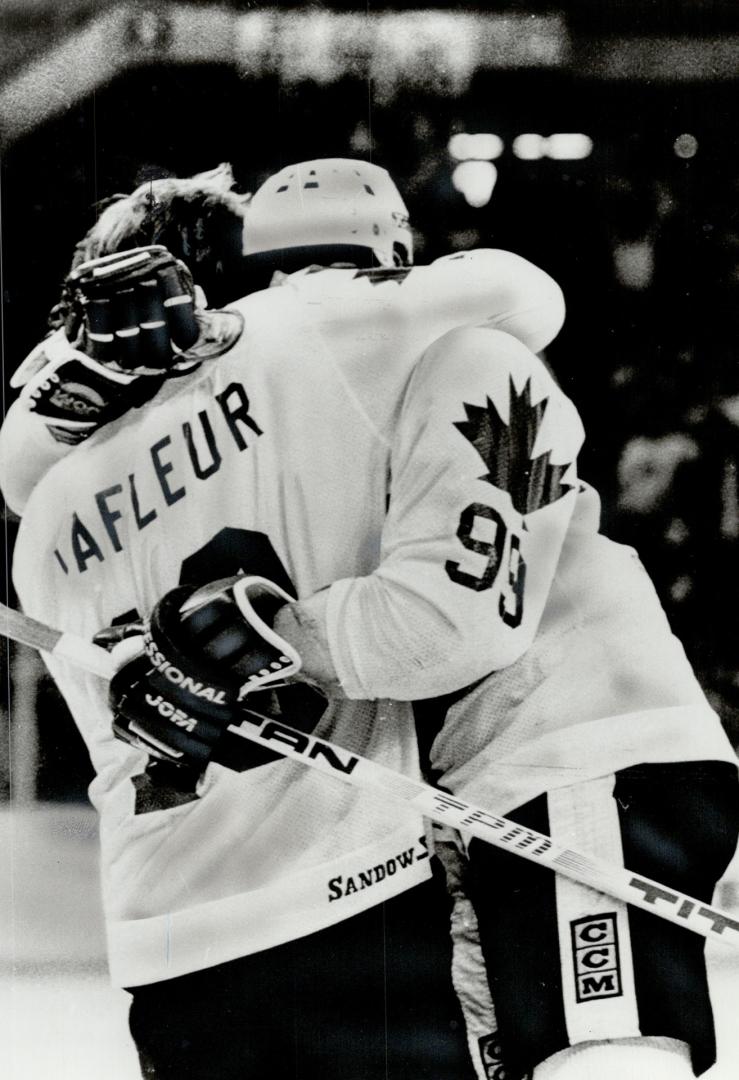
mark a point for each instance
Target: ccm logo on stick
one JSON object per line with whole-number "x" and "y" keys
{"x": 595, "y": 956}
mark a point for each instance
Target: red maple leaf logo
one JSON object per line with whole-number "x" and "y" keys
{"x": 506, "y": 450}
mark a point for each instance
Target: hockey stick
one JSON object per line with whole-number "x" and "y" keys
{"x": 19, "y": 627}
{"x": 501, "y": 832}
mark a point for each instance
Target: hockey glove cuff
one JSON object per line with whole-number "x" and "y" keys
{"x": 73, "y": 393}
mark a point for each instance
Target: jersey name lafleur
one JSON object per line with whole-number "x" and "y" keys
{"x": 94, "y": 537}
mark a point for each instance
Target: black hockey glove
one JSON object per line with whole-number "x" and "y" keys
{"x": 203, "y": 652}
{"x": 127, "y": 319}
{"x": 133, "y": 310}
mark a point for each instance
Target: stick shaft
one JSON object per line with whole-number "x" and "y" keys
{"x": 28, "y": 631}
{"x": 19, "y": 627}
{"x": 438, "y": 805}
{"x": 501, "y": 832}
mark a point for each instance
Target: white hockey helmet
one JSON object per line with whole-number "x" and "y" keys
{"x": 330, "y": 203}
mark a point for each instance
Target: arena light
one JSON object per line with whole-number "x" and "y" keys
{"x": 529, "y": 147}
{"x": 562, "y": 146}
{"x": 568, "y": 146}
{"x": 476, "y": 181}
{"x": 685, "y": 146}
{"x": 433, "y": 49}
{"x": 478, "y": 146}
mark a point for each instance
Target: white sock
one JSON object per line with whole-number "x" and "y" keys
{"x": 644, "y": 1058}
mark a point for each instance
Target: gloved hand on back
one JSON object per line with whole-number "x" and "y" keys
{"x": 128, "y": 321}
{"x": 193, "y": 667}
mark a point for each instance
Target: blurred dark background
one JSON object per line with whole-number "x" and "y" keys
{"x": 636, "y": 218}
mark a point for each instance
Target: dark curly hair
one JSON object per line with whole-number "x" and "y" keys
{"x": 199, "y": 219}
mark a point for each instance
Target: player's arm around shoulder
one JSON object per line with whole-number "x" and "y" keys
{"x": 483, "y": 488}
{"x": 123, "y": 322}
{"x": 509, "y": 293}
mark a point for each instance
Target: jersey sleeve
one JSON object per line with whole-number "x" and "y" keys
{"x": 27, "y": 452}
{"x": 496, "y": 288}
{"x": 482, "y": 492}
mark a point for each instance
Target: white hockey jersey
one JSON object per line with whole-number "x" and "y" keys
{"x": 492, "y": 575}
{"x": 278, "y": 458}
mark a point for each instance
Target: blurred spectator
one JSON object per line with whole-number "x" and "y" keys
{"x": 678, "y": 505}
{"x": 647, "y": 470}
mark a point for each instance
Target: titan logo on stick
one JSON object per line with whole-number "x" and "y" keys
{"x": 306, "y": 745}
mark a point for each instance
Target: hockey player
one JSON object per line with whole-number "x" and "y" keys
{"x": 67, "y": 393}
{"x": 591, "y": 726}
{"x": 266, "y": 921}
